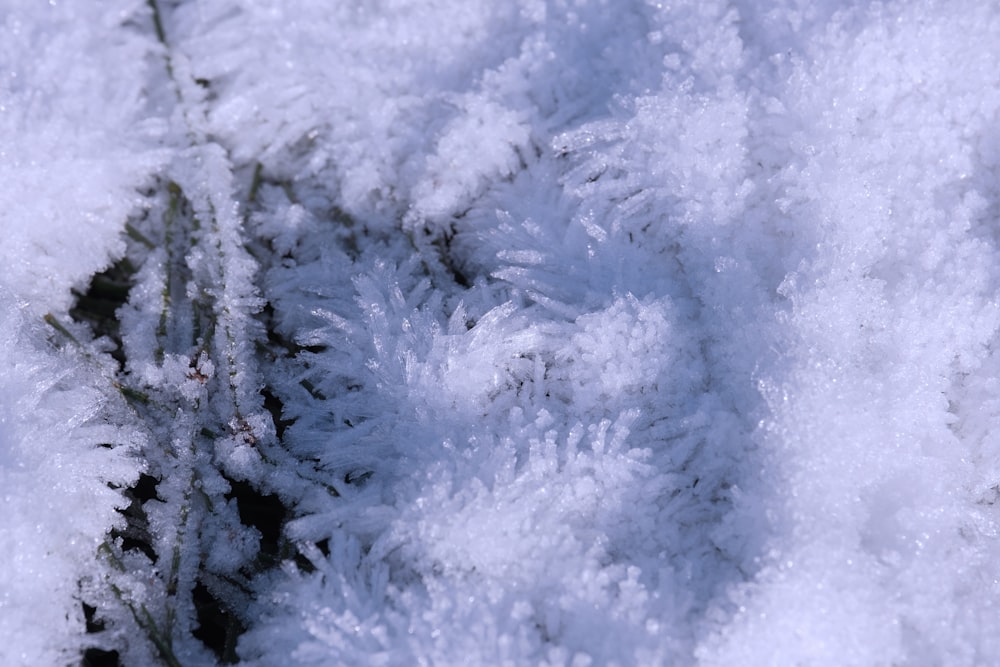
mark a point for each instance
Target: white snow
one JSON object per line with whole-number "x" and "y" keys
{"x": 76, "y": 143}
{"x": 58, "y": 458}
{"x": 546, "y": 332}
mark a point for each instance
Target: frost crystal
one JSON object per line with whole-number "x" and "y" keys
{"x": 559, "y": 332}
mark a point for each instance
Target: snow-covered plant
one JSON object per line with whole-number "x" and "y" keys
{"x": 546, "y": 332}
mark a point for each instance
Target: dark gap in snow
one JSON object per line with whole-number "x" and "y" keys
{"x": 92, "y": 624}
{"x": 448, "y": 260}
{"x": 266, "y": 513}
{"x": 324, "y": 547}
{"x": 93, "y": 656}
{"x": 304, "y": 564}
{"x": 276, "y": 407}
{"x": 135, "y": 535}
{"x": 145, "y": 488}
{"x": 218, "y": 628}
{"x": 98, "y": 306}
{"x": 96, "y": 657}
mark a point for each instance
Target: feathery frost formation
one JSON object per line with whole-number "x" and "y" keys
{"x": 566, "y": 332}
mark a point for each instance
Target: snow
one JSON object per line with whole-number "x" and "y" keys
{"x": 59, "y": 465}
{"x": 549, "y": 332}
{"x": 76, "y": 143}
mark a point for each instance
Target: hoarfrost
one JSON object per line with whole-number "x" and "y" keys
{"x": 557, "y": 333}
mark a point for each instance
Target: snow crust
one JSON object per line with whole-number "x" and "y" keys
{"x": 563, "y": 332}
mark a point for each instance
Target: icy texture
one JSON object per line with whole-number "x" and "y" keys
{"x": 567, "y": 332}
{"x": 76, "y": 142}
{"x": 61, "y": 458}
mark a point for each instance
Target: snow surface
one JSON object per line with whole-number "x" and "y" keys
{"x": 559, "y": 332}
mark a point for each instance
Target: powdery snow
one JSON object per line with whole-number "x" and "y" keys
{"x": 567, "y": 332}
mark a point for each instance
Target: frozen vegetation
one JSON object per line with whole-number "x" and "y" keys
{"x": 464, "y": 332}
